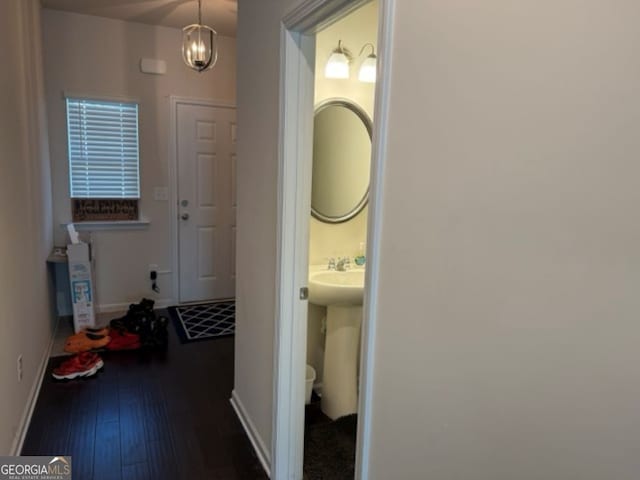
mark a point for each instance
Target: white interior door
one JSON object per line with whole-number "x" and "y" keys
{"x": 206, "y": 155}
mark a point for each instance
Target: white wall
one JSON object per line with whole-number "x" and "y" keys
{"x": 508, "y": 309}
{"x": 93, "y": 55}
{"x": 508, "y": 305}
{"x": 257, "y": 164}
{"x": 26, "y": 322}
{"x": 339, "y": 239}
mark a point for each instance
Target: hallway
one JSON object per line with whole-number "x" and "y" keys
{"x": 148, "y": 415}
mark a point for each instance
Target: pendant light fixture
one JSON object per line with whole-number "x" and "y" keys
{"x": 199, "y": 44}
{"x": 338, "y": 64}
{"x": 367, "y": 71}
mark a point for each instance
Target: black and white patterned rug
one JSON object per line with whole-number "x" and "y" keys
{"x": 204, "y": 321}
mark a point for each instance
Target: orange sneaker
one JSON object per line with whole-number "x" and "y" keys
{"x": 95, "y": 332}
{"x": 83, "y": 342}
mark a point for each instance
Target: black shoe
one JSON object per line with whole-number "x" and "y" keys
{"x": 156, "y": 335}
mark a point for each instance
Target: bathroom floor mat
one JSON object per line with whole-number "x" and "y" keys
{"x": 204, "y": 321}
{"x": 330, "y": 449}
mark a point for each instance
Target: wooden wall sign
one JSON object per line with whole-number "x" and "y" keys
{"x": 104, "y": 209}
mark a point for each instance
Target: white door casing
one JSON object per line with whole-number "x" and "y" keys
{"x": 205, "y": 158}
{"x": 297, "y": 80}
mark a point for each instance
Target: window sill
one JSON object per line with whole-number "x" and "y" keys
{"x": 110, "y": 225}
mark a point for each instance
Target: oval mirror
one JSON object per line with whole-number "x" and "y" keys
{"x": 341, "y": 161}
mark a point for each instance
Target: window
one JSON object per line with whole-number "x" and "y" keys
{"x": 103, "y": 149}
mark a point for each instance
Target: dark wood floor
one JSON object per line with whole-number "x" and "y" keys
{"x": 148, "y": 415}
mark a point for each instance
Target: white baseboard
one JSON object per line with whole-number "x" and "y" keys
{"x": 123, "y": 307}
{"x": 25, "y": 421}
{"x": 258, "y": 445}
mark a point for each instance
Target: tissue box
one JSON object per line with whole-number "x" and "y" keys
{"x": 82, "y": 285}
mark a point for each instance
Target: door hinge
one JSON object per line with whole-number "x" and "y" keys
{"x": 304, "y": 293}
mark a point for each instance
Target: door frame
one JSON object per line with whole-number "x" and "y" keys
{"x": 297, "y": 53}
{"x": 174, "y": 101}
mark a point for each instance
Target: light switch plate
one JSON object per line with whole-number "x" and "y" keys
{"x": 161, "y": 194}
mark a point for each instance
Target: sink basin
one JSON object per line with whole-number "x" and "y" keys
{"x": 330, "y": 287}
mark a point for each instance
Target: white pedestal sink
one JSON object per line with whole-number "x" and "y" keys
{"x": 341, "y": 293}
{"x": 330, "y": 287}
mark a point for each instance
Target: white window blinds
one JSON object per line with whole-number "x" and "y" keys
{"x": 103, "y": 149}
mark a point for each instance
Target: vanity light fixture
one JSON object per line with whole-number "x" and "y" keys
{"x": 367, "y": 71}
{"x": 338, "y": 64}
{"x": 199, "y": 44}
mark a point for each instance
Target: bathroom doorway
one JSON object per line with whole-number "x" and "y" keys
{"x": 344, "y": 94}
{"x": 303, "y": 37}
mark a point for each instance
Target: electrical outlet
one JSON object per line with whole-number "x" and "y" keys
{"x": 19, "y": 367}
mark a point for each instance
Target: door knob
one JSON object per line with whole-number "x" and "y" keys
{"x": 184, "y": 216}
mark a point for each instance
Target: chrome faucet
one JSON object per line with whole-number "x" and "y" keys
{"x": 343, "y": 264}
{"x": 332, "y": 264}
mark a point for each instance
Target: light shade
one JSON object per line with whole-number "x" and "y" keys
{"x": 367, "y": 71}
{"x": 338, "y": 64}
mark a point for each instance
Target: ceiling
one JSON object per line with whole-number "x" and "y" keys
{"x": 218, "y": 14}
